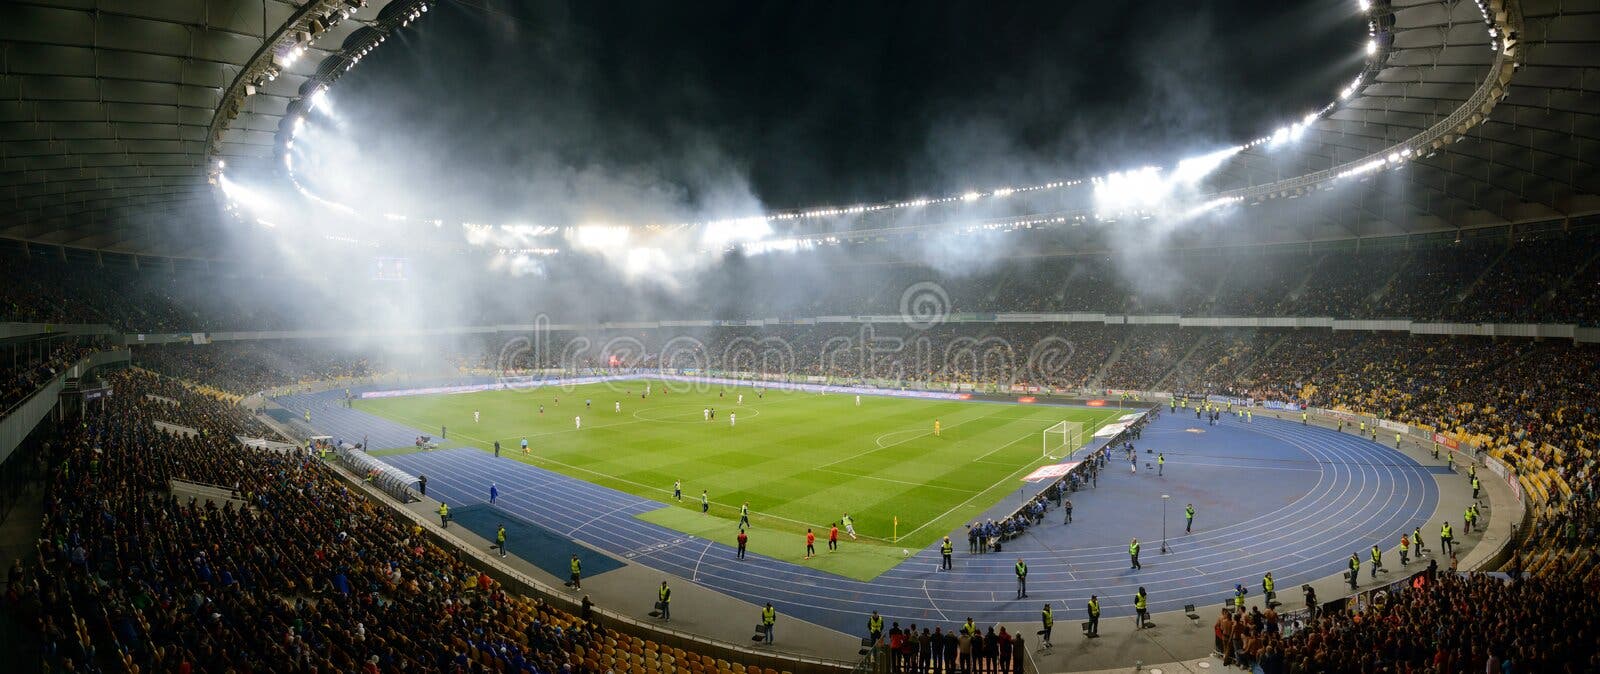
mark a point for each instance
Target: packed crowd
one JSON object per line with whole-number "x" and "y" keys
{"x": 174, "y": 584}
{"x": 28, "y": 366}
{"x": 1543, "y": 276}
{"x": 242, "y": 368}
{"x": 307, "y": 577}
{"x": 1452, "y": 623}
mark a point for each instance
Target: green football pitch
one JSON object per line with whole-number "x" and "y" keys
{"x": 801, "y": 460}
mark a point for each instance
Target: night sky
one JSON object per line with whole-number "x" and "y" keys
{"x": 832, "y": 102}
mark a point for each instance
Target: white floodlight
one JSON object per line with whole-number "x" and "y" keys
{"x": 598, "y": 236}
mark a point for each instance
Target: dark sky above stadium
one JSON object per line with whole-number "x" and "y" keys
{"x": 808, "y": 103}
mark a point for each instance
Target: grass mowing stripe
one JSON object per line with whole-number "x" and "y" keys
{"x": 800, "y": 459}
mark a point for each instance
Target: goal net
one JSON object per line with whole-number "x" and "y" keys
{"x": 1062, "y": 439}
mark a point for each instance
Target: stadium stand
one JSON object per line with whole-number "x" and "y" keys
{"x": 309, "y": 577}
{"x": 1551, "y": 278}
{"x": 189, "y": 583}
{"x": 29, "y": 365}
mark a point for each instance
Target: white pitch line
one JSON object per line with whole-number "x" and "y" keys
{"x": 1013, "y": 442}
{"x": 963, "y": 504}
{"x": 880, "y": 448}
{"x": 669, "y": 491}
{"x": 885, "y": 479}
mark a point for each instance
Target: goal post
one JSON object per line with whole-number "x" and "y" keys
{"x": 1061, "y": 439}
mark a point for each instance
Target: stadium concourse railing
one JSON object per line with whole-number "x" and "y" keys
{"x": 21, "y": 419}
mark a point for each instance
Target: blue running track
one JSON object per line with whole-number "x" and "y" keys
{"x": 1269, "y": 495}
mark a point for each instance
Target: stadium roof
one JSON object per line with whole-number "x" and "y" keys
{"x": 1526, "y": 146}
{"x": 113, "y": 114}
{"x": 109, "y": 110}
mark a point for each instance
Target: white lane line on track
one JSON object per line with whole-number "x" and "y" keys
{"x": 835, "y": 609}
{"x": 1346, "y": 450}
{"x": 1245, "y": 468}
{"x": 607, "y": 513}
{"x": 933, "y": 603}
{"x": 695, "y": 577}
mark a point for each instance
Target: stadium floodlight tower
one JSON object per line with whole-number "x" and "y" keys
{"x": 1062, "y": 439}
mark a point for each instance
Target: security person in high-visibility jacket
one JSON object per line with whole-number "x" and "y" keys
{"x": 946, "y": 549}
{"x": 875, "y": 626}
{"x": 969, "y": 628}
{"x": 664, "y": 601}
{"x": 769, "y": 616}
{"x": 1446, "y": 539}
{"x": 1269, "y": 588}
{"x": 1094, "y": 615}
{"x": 1047, "y": 620}
{"x": 577, "y": 573}
{"x": 500, "y": 539}
{"x": 1133, "y": 553}
{"x": 1140, "y": 604}
{"x": 1475, "y": 486}
{"x": 1022, "y": 578}
{"x": 1377, "y": 560}
{"x": 444, "y": 516}
{"x": 1355, "y": 569}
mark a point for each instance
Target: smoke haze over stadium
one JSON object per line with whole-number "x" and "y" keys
{"x": 562, "y": 114}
